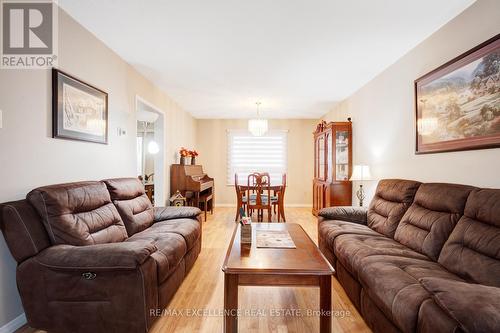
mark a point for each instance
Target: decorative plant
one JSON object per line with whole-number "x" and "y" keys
{"x": 193, "y": 153}
{"x": 184, "y": 152}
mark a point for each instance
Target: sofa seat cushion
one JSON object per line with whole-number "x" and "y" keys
{"x": 441, "y": 321}
{"x": 393, "y": 284}
{"x": 171, "y": 248}
{"x": 188, "y": 229}
{"x": 351, "y": 250}
{"x": 460, "y": 300}
{"x": 331, "y": 229}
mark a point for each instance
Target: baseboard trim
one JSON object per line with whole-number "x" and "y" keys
{"x": 14, "y": 324}
{"x": 287, "y": 205}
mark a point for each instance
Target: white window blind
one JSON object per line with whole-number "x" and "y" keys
{"x": 248, "y": 153}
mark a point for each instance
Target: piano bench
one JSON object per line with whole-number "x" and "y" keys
{"x": 205, "y": 200}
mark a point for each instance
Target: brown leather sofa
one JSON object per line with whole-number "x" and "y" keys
{"x": 423, "y": 257}
{"x": 96, "y": 256}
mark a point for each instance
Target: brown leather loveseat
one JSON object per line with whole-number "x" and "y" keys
{"x": 96, "y": 256}
{"x": 423, "y": 257}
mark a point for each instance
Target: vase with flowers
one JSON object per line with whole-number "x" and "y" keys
{"x": 183, "y": 152}
{"x": 193, "y": 154}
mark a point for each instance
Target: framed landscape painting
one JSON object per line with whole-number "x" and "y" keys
{"x": 79, "y": 110}
{"x": 458, "y": 104}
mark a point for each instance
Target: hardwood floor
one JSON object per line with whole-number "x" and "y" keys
{"x": 269, "y": 309}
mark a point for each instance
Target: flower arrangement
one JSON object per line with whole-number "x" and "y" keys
{"x": 183, "y": 152}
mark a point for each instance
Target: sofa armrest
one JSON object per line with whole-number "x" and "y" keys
{"x": 475, "y": 307}
{"x": 345, "y": 213}
{"x": 172, "y": 212}
{"x": 110, "y": 256}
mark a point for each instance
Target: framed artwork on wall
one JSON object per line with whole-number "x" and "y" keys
{"x": 457, "y": 105}
{"x": 79, "y": 110}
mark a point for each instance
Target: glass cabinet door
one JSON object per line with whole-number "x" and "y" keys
{"x": 321, "y": 157}
{"x": 342, "y": 155}
{"x": 329, "y": 154}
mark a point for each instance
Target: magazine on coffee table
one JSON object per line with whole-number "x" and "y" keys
{"x": 274, "y": 239}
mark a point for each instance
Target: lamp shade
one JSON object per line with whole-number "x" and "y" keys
{"x": 361, "y": 172}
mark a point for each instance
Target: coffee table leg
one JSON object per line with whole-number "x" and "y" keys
{"x": 325, "y": 303}
{"x": 230, "y": 303}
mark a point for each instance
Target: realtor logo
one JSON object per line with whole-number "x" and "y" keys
{"x": 28, "y": 34}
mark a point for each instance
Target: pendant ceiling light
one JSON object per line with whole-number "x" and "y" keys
{"x": 258, "y": 126}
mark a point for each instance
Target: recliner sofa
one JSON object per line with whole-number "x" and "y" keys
{"x": 422, "y": 258}
{"x": 96, "y": 256}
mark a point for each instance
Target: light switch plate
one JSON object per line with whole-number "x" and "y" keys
{"x": 1, "y": 119}
{"x": 121, "y": 131}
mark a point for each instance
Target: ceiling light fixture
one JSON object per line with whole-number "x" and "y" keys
{"x": 258, "y": 126}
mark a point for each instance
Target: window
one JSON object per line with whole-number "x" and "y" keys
{"x": 248, "y": 153}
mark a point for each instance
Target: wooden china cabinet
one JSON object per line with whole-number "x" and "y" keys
{"x": 332, "y": 165}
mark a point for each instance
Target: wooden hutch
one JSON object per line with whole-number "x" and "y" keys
{"x": 332, "y": 165}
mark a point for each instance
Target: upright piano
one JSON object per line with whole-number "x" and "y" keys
{"x": 192, "y": 182}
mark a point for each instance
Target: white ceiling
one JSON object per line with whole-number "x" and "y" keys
{"x": 299, "y": 57}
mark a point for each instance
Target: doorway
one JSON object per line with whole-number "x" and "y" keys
{"x": 150, "y": 147}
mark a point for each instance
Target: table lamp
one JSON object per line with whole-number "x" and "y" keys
{"x": 361, "y": 173}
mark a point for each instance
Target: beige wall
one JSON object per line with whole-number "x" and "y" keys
{"x": 212, "y": 145}
{"x": 383, "y": 110}
{"x": 29, "y": 157}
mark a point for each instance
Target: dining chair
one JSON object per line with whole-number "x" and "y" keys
{"x": 241, "y": 199}
{"x": 278, "y": 200}
{"x": 265, "y": 180}
{"x": 258, "y": 194}
{"x": 253, "y": 183}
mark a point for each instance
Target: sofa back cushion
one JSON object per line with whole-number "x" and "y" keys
{"x": 132, "y": 203}
{"x": 429, "y": 221}
{"x": 78, "y": 213}
{"x": 473, "y": 249}
{"x": 392, "y": 199}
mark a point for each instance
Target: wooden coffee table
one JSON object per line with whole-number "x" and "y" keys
{"x": 247, "y": 265}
